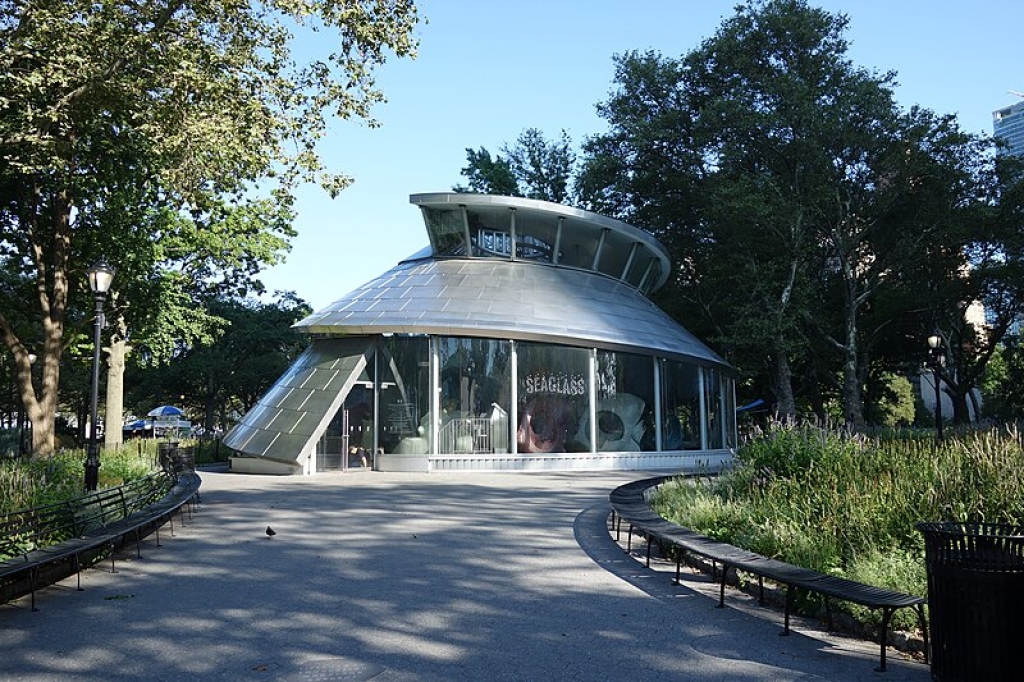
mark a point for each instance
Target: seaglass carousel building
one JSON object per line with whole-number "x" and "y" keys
{"x": 522, "y": 338}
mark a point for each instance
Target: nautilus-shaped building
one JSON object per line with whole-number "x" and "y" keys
{"x": 521, "y": 338}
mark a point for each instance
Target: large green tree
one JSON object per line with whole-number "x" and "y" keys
{"x": 533, "y": 167}
{"x": 167, "y": 122}
{"x": 791, "y": 189}
{"x": 229, "y": 371}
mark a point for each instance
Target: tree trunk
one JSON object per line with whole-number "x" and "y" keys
{"x": 853, "y": 399}
{"x": 961, "y": 415}
{"x": 113, "y": 436}
{"x": 782, "y": 383}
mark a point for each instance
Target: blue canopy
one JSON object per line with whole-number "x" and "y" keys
{"x": 166, "y": 411}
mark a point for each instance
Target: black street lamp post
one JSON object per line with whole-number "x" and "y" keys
{"x": 100, "y": 277}
{"x": 936, "y": 360}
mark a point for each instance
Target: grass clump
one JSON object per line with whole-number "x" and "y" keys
{"x": 38, "y": 481}
{"x": 848, "y": 505}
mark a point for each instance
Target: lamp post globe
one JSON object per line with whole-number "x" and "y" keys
{"x": 101, "y": 275}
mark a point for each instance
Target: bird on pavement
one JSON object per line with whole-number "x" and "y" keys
{"x": 270, "y": 532}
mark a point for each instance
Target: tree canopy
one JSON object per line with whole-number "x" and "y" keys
{"x": 167, "y": 136}
{"x": 804, "y": 208}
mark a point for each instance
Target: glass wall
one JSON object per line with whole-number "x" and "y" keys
{"x": 553, "y": 397}
{"x": 447, "y": 231}
{"x": 552, "y": 401}
{"x": 625, "y": 403}
{"x": 348, "y": 440}
{"x": 475, "y": 376}
{"x": 714, "y": 406}
{"x": 680, "y": 406}
{"x": 404, "y": 396}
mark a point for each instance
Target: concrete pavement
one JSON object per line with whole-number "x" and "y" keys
{"x": 396, "y": 577}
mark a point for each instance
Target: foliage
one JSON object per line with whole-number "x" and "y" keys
{"x": 170, "y": 137}
{"x": 848, "y": 504}
{"x": 26, "y": 483}
{"x": 894, "y": 406}
{"x": 253, "y": 347}
{"x": 534, "y": 167}
{"x": 805, "y": 211}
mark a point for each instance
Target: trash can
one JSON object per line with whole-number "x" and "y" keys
{"x": 168, "y": 454}
{"x": 975, "y": 599}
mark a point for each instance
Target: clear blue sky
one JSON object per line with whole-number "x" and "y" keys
{"x": 486, "y": 70}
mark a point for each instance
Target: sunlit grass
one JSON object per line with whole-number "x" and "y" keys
{"x": 37, "y": 481}
{"x": 848, "y": 505}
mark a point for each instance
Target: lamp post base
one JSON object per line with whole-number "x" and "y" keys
{"x": 92, "y": 470}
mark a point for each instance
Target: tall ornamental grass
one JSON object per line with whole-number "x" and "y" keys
{"x": 847, "y": 505}
{"x": 38, "y": 481}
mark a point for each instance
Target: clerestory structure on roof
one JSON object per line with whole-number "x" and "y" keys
{"x": 521, "y": 338}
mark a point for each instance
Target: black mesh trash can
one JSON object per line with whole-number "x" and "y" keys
{"x": 975, "y": 599}
{"x": 168, "y": 453}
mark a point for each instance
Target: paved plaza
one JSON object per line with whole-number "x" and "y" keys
{"x": 400, "y": 577}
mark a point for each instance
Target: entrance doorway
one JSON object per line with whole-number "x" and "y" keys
{"x": 348, "y": 441}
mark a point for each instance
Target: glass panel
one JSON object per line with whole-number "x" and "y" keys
{"x": 404, "y": 425}
{"x": 729, "y": 391}
{"x": 348, "y": 440}
{"x": 579, "y": 242}
{"x": 536, "y": 237}
{"x": 713, "y": 404}
{"x": 625, "y": 403}
{"x": 447, "y": 231}
{"x": 680, "y": 406}
{"x": 614, "y": 254}
{"x": 475, "y": 395}
{"x": 552, "y": 397}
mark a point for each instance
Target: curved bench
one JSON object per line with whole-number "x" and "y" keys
{"x": 43, "y": 537}
{"x": 629, "y": 503}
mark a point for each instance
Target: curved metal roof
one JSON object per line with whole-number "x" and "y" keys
{"x": 483, "y": 225}
{"x": 508, "y": 299}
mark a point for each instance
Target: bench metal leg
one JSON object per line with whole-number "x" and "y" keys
{"x": 721, "y": 589}
{"x": 924, "y": 630}
{"x": 77, "y": 562}
{"x": 32, "y": 586}
{"x": 649, "y": 541}
{"x": 629, "y": 539}
{"x": 884, "y": 636}
{"x": 789, "y": 609}
{"x": 760, "y": 590}
{"x": 679, "y": 560}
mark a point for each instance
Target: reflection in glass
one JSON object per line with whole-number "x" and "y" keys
{"x": 348, "y": 440}
{"x": 446, "y": 230}
{"x": 625, "y": 403}
{"x": 475, "y": 388}
{"x": 680, "y": 404}
{"x": 552, "y": 397}
{"x": 404, "y": 395}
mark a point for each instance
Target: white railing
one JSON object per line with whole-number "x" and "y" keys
{"x": 472, "y": 435}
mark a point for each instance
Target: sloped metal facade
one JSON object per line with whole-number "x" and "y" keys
{"x": 509, "y": 299}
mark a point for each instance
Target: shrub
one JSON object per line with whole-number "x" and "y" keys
{"x": 848, "y": 505}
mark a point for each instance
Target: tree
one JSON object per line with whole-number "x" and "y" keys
{"x": 534, "y": 168}
{"x": 189, "y": 114}
{"x": 792, "y": 191}
{"x": 253, "y": 347}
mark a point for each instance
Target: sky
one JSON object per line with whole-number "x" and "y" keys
{"x": 486, "y": 70}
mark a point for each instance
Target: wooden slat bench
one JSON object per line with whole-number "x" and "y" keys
{"x": 33, "y": 539}
{"x": 629, "y": 504}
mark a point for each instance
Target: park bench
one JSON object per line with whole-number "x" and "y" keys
{"x": 629, "y": 503}
{"x": 65, "y": 533}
